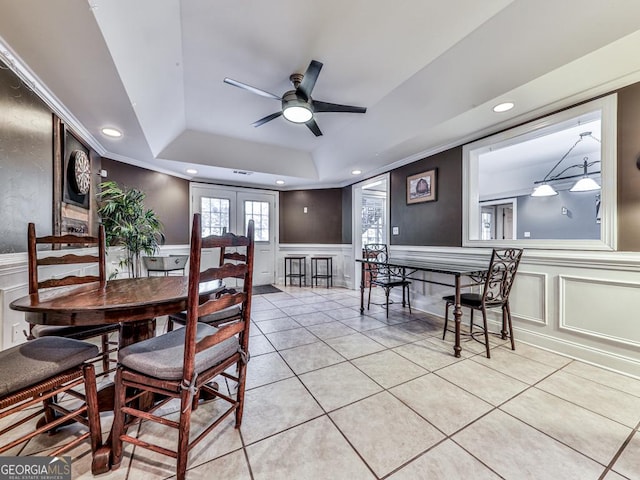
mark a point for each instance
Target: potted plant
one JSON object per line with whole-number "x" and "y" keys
{"x": 129, "y": 224}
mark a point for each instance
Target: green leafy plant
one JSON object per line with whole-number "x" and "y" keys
{"x": 129, "y": 224}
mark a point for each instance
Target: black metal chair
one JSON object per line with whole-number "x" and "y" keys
{"x": 36, "y": 283}
{"x": 495, "y": 294}
{"x": 381, "y": 275}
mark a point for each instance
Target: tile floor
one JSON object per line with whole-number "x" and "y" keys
{"x": 332, "y": 394}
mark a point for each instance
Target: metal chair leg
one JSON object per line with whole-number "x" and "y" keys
{"x": 486, "y": 332}
{"x": 446, "y": 319}
{"x": 508, "y": 309}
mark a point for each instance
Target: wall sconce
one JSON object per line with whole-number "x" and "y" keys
{"x": 585, "y": 182}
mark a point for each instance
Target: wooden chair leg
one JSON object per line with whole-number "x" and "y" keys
{"x": 105, "y": 352}
{"x": 169, "y": 325}
{"x": 183, "y": 435}
{"x": 240, "y": 393}
{"x": 93, "y": 412}
{"x": 486, "y": 331}
{"x": 117, "y": 428}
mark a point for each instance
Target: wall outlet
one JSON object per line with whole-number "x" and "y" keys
{"x": 527, "y": 234}
{"x": 396, "y": 231}
{"x": 16, "y": 333}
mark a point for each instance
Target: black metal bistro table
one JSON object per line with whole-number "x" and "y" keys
{"x": 474, "y": 272}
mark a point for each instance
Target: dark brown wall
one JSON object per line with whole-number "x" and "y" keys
{"x": 321, "y": 224}
{"x": 628, "y": 173}
{"x": 26, "y": 163}
{"x": 435, "y": 223}
{"x": 168, "y": 196}
{"x": 347, "y": 215}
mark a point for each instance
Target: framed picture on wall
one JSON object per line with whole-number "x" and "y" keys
{"x": 422, "y": 187}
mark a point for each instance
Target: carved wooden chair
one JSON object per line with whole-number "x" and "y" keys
{"x": 383, "y": 276}
{"x": 38, "y": 372}
{"x": 35, "y": 284}
{"x": 495, "y": 294}
{"x": 182, "y": 363}
{"x": 216, "y": 318}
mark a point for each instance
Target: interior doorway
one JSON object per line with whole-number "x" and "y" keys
{"x": 370, "y": 216}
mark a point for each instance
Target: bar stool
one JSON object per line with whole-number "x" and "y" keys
{"x": 328, "y": 270}
{"x": 300, "y": 273}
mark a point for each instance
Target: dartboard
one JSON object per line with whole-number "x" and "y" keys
{"x": 80, "y": 172}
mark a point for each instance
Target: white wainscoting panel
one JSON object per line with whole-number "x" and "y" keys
{"x": 600, "y": 308}
{"x": 528, "y": 298}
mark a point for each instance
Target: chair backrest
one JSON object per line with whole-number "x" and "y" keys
{"x": 501, "y": 274}
{"x": 377, "y": 252}
{"x": 68, "y": 259}
{"x": 202, "y": 305}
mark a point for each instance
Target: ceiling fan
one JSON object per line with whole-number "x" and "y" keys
{"x": 297, "y": 104}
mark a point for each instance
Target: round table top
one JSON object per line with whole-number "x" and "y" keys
{"x": 114, "y": 301}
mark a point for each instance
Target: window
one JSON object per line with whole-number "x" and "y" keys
{"x": 215, "y": 215}
{"x": 259, "y": 213}
{"x": 555, "y": 151}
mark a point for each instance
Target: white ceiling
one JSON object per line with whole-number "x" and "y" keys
{"x": 428, "y": 71}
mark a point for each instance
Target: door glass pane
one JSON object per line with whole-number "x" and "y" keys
{"x": 215, "y": 215}
{"x": 259, "y": 213}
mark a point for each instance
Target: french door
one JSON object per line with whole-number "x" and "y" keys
{"x": 227, "y": 209}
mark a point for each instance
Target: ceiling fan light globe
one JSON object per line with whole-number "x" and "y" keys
{"x": 585, "y": 184}
{"x": 297, "y": 113}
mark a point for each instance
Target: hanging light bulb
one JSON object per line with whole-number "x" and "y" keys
{"x": 544, "y": 190}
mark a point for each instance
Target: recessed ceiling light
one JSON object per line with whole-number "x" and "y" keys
{"x": 191, "y": 171}
{"x": 279, "y": 182}
{"x": 503, "y": 107}
{"x": 356, "y": 172}
{"x": 111, "y": 132}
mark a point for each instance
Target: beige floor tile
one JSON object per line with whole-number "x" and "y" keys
{"x": 444, "y": 405}
{"x": 605, "y": 377}
{"x": 446, "y": 461}
{"x": 516, "y": 366}
{"x": 312, "y": 451}
{"x": 388, "y": 368}
{"x": 628, "y": 464}
{"x": 427, "y": 354}
{"x": 259, "y": 345}
{"x": 423, "y": 328}
{"x": 327, "y": 305}
{"x": 520, "y": 452}
{"x": 291, "y": 338}
{"x": 262, "y": 315}
{"x": 265, "y": 369}
{"x": 313, "y": 356}
{"x": 609, "y": 402}
{"x": 343, "y": 313}
{"x": 325, "y": 331}
{"x": 392, "y": 336}
{"x": 362, "y": 323}
{"x": 385, "y": 432}
{"x": 299, "y": 309}
{"x": 230, "y": 467}
{"x": 589, "y": 433}
{"x": 339, "y": 385}
{"x": 356, "y": 345}
{"x": 260, "y": 303}
{"x": 287, "y": 302}
{"x": 538, "y": 354}
{"x": 277, "y": 325}
{"x": 313, "y": 318}
{"x": 276, "y": 407}
{"x": 611, "y": 475}
{"x": 490, "y": 385}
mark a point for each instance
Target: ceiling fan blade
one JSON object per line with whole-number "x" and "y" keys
{"x": 313, "y": 126}
{"x": 266, "y": 119}
{"x": 335, "y": 107}
{"x": 255, "y": 90}
{"x": 309, "y": 79}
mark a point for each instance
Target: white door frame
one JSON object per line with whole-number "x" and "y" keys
{"x": 275, "y": 227}
{"x": 356, "y": 220}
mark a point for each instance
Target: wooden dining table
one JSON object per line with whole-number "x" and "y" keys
{"x": 134, "y": 303}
